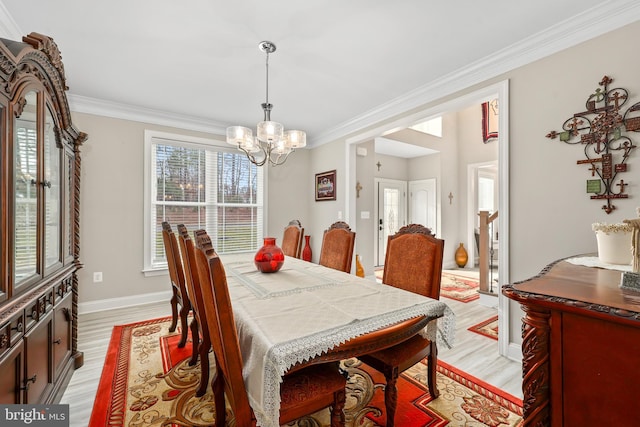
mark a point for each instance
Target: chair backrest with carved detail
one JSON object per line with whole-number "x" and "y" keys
{"x": 291, "y": 243}
{"x": 337, "y": 247}
{"x": 413, "y": 261}
{"x": 221, "y": 326}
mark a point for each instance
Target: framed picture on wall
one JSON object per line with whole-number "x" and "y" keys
{"x": 326, "y": 186}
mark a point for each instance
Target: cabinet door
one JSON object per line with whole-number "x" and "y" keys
{"x": 62, "y": 334}
{"x": 25, "y": 209}
{"x": 12, "y": 366}
{"x": 51, "y": 183}
{"x": 38, "y": 365}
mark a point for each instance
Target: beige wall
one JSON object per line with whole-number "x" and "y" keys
{"x": 290, "y": 194}
{"x": 365, "y": 172}
{"x": 324, "y": 213}
{"x": 551, "y": 214}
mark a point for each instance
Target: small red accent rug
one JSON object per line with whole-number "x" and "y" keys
{"x": 147, "y": 381}
{"x": 488, "y": 328}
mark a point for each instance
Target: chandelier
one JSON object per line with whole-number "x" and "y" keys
{"x": 272, "y": 143}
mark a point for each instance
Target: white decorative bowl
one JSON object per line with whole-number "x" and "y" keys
{"x": 614, "y": 247}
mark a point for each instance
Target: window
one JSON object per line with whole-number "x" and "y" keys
{"x": 485, "y": 193}
{"x": 201, "y": 184}
{"x": 431, "y": 126}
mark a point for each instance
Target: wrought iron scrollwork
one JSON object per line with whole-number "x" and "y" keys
{"x": 601, "y": 129}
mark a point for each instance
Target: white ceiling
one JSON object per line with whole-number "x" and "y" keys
{"x": 339, "y": 66}
{"x": 391, "y": 147}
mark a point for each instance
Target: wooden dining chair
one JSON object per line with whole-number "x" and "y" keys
{"x": 337, "y": 247}
{"x": 292, "y": 239}
{"x": 413, "y": 262}
{"x": 321, "y": 385}
{"x": 179, "y": 296}
{"x": 198, "y": 326}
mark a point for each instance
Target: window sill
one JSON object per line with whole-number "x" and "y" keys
{"x": 152, "y": 272}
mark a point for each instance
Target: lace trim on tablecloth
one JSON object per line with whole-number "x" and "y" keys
{"x": 288, "y": 354}
{"x": 588, "y": 261}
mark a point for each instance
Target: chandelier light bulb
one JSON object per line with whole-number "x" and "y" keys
{"x": 296, "y": 138}
{"x": 270, "y": 132}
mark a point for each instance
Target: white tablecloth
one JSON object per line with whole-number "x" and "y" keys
{"x": 306, "y": 309}
{"x": 590, "y": 261}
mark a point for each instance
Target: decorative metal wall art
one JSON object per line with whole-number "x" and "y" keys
{"x": 601, "y": 129}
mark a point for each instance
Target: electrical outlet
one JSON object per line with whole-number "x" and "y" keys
{"x": 97, "y": 277}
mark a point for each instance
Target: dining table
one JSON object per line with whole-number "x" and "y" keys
{"x": 306, "y": 313}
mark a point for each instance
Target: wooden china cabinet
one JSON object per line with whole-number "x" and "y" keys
{"x": 39, "y": 225}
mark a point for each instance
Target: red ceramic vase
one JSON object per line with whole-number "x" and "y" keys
{"x": 269, "y": 257}
{"x": 306, "y": 252}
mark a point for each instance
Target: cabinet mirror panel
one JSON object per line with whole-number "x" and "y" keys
{"x": 26, "y": 191}
{"x": 52, "y": 192}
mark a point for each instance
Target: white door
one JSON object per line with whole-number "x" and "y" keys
{"x": 422, "y": 204}
{"x": 391, "y": 212}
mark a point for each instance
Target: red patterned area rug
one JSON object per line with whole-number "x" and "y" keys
{"x": 458, "y": 287}
{"x": 488, "y": 328}
{"x": 146, "y": 381}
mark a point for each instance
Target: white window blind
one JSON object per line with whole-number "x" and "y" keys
{"x": 203, "y": 186}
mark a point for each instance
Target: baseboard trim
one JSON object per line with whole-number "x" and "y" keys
{"x": 488, "y": 299}
{"x": 129, "y": 301}
{"x": 514, "y": 352}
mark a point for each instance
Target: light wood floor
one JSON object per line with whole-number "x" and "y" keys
{"x": 472, "y": 353}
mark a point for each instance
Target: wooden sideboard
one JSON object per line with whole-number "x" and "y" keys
{"x": 581, "y": 347}
{"x": 39, "y": 223}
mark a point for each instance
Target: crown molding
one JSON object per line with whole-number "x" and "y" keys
{"x": 83, "y": 104}
{"x": 587, "y": 25}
